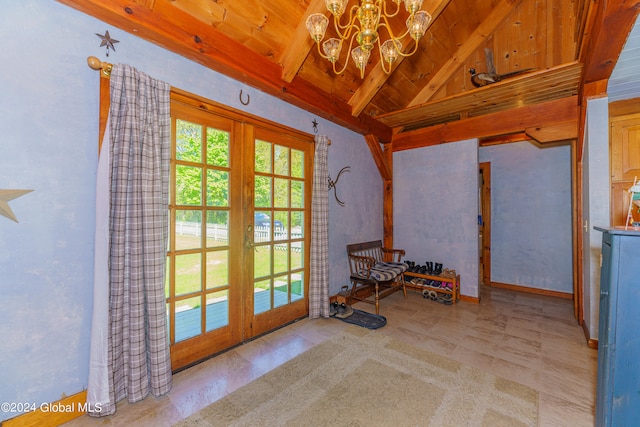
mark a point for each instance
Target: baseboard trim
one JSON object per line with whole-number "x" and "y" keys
{"x": 51, "y": 414}
{"x": 529, "y": 290}
{"x": 591, "y": 342}
{"x": 474, "y": 300}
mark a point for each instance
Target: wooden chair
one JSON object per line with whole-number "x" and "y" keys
{"x": 376, "y": 267}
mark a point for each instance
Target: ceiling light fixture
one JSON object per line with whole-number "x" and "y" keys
{"x": 363, "y": 25}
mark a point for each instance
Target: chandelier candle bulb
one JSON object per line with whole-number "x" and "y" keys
{"x": 317, "y": 25}
{"x": 417, "y": 24}
{"x": 336, "y": 7}
{"x": 360, "y": 58}
{"x": 362, "y": 28}
{"x": 412, "y": 6}
{"x": 332, "y": 48}
{"x": 390, "y": 49}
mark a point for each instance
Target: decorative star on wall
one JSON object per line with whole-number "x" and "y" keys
{"x": 107, "y": 41}
{"x": 5, "y": 197}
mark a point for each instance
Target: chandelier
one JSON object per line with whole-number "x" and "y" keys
{"x": 363, "y": 25}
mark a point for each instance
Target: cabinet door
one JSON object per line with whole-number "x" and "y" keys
{"x": 625, "y": 148}
{"x": 625, "y": 409}
{"x": 606, "y": 335}
{"x": 617, "y": 397}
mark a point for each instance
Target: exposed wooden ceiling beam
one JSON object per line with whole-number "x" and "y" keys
{"x": 377, "y": 77}
{"x": 179, "y": 32}
{"x": 548, "y": 114}
{"x": 503, "y": 139}
{"x": 378, "y": 156}
{"x": 297, "y": 51}
{"x": 497, "y": 16}
{"x": 612, "y": 23}
{"x": 550, "y": 134}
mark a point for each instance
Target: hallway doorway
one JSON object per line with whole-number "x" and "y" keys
{"x": 484, "y": 222}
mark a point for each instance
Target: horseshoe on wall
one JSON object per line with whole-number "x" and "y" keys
{"x": 248, "y": 99}
{"x": 332, "y": 184}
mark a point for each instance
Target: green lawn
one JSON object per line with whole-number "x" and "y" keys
{"x": 189, "y": 266}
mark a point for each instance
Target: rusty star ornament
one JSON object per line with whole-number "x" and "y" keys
{"x": 107, "y": 41}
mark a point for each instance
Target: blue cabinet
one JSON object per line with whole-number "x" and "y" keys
{"x": 618, "y": 387}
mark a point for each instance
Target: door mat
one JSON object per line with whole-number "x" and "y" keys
{"x": 364, "y": 319}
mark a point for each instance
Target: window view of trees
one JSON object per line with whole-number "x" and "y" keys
{"x": 189, "y": 182}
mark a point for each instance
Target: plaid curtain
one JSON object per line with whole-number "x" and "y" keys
{"x": 319, "y": 264}
{"x": 138, "y": 359}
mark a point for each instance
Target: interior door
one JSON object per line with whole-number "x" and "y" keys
{"x": 625, "y": 148}
{"x": 485, "y": 222}
{"x": 238, "y": 256}
{"x": 625, "y": 166}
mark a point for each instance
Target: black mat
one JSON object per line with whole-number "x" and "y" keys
{"x": 364, "y": 319}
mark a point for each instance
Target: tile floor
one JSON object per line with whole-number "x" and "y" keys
{"x": 528, "y": 338}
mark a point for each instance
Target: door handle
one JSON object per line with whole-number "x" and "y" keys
{"x": 249, "y": 238}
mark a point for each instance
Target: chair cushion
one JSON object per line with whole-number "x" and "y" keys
{"x": 385, "y": 271}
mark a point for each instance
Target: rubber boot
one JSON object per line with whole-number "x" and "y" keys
{"x": 429, "y": 267}
{"x": 437, "y": 270}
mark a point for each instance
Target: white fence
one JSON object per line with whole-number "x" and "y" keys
{"x": 220, "y": 233}
{"x": 217, "y": 232}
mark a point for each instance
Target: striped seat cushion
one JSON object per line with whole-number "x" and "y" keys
{"x": 385, "y": 271}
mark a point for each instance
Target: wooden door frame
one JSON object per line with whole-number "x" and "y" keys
{"x": 485, "y": 188}
{"x": 577, "y": 191}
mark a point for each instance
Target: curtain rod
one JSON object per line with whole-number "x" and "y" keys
{"x": 104, "y": 67}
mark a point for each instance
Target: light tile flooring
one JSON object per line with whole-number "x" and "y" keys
{"x": 528, "y": 338}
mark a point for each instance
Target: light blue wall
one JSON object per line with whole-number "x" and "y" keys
{"x": 360, "y": 219}
{"x": 531, "y": 229}
{"x": 435, "y": 208}
{"x": 48, "y": 128}
{"x": 435, "y": 211}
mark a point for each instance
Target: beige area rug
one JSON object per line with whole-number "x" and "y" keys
{"x": 363, "y": 378}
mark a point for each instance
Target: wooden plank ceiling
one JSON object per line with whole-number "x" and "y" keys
{"x": 264, "y": 43}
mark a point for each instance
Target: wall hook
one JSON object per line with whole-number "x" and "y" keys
{"x": 315, "y": 126}
{"x": 332, "y": 183}
{"x": 248, "y": 99}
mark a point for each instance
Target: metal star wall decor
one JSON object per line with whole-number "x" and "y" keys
{"x": 5, "y": 197}
{"x": 107, "y": 41}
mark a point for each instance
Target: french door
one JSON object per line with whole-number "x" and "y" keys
{"x": 238, "y": 256}
{"x": 278, "y": 235}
